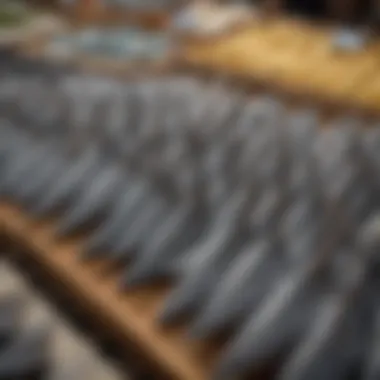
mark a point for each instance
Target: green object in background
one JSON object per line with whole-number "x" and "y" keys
{"x": 12, "y": 13}
{"x": 123, "y": 43}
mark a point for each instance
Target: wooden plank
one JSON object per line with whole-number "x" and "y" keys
{"x": 294, "y": 56}
{"x": 132, "y": 313}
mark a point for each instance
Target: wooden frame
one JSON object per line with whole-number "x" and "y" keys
{"x": 129, "y": 317}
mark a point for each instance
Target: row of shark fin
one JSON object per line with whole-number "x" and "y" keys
{"x": 267, "y": 224}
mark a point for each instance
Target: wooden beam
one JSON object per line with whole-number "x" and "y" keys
{"x": 131, "y": 315}
{"x": 306, "y": 65}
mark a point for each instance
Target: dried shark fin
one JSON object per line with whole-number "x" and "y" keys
{"x": 68, "y": 183}
{"x": 243, "y": 286}
{"x": 123, "y": 210}
{"x": 205, "y": 263}
{"x": 168, "y": 242}
{"x": 92, "y": 201}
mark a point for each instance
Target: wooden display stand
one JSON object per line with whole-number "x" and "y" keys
{"x": 128, "y": 316}
{"x": 294, "y": 57}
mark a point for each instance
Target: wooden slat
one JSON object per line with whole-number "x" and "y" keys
{"x": 292, "y": 55}
{"x": 132, "y": 313}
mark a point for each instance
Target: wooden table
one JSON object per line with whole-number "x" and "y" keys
{"x": 294, "y": 57}
{"x": 130, "y": 315}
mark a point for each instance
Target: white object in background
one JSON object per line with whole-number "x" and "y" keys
{"x": 350, "y": 40}
{"x": 210, "y": 19}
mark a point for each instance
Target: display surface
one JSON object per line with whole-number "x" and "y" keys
{"x": 296, "y": 56}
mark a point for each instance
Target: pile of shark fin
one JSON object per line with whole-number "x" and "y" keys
{"x": 268, "y": 224}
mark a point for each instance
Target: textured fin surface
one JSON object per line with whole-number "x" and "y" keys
{"x": 265, "y": 218}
